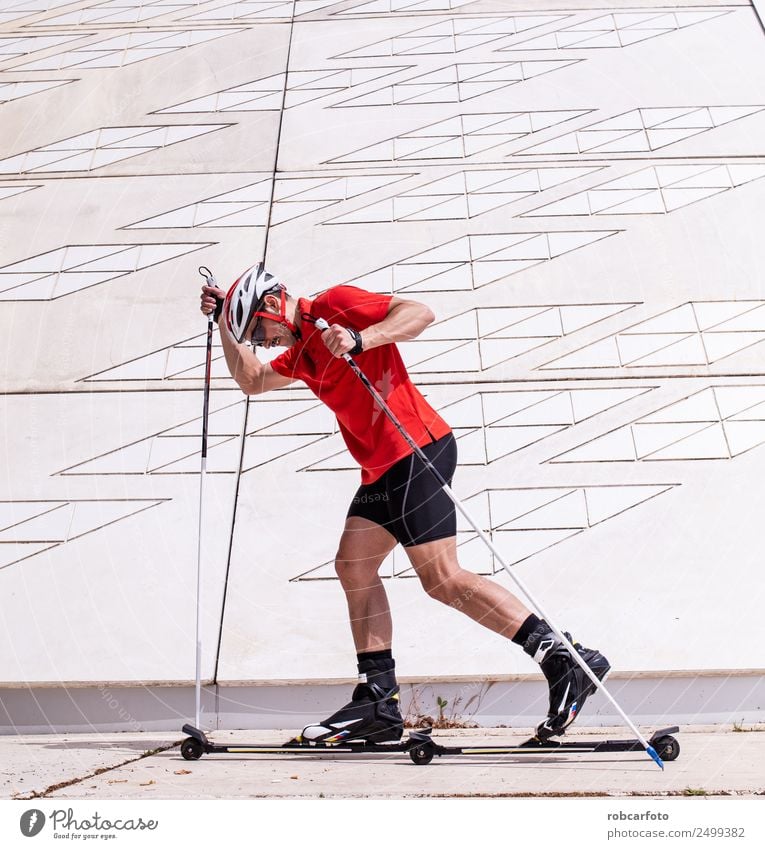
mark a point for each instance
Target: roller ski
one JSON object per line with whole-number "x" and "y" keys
{"x": 569, "y": 684}
{"x": 421, "y": 748}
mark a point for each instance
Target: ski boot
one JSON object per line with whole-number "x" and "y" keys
{"x": 372, "y": 715}
{"x": 569, "y": 684}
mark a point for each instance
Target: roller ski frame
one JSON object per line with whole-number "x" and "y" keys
{"x": 422, "y": 748}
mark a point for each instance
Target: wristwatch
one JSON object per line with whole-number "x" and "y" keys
{"x": 356, "y": 336}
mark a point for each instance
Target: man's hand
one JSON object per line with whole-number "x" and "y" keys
{"x": 212, "y": 300}
{"x": 338, "y": 340}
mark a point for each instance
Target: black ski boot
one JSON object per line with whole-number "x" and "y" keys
{"x": 372, "y": 714}
{"x": 568, "y": 682}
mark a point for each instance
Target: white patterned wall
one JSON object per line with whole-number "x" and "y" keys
{"x": 576, "y": 193}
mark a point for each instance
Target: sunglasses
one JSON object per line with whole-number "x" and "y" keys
{"x": 258, "y": 336}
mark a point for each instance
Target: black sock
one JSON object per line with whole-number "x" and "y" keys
{"x": 526, "y": 629}
{"x": 382, "y": 659}
{"x": 375, "y": 667}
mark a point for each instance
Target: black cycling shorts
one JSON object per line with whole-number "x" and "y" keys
{"x": 408, "y": 501}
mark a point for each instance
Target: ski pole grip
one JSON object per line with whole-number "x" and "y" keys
{"x": 322, "y": 325}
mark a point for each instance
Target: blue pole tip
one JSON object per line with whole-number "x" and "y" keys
{"x": 655, "y": 755}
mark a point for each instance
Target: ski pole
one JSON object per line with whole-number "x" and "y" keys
{"x": 322, "y": 325}
{"x": 208, "y": 276}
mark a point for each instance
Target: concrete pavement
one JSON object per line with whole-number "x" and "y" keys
{"x": 714, "y": 761}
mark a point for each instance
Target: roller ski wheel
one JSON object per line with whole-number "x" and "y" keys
{"x": 667, "y": 748}
{"x": 191, "y": 749}
{"x": 422, "y": 753}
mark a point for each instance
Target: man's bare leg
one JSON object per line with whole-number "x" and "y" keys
{"x": 493, "y": 606}
{"x": 373, "y": 712}
{"x": 363, "y": 547}
{"x": 483, "y": 600}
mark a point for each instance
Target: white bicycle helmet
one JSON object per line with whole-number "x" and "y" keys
{"x": 244, "y": 299}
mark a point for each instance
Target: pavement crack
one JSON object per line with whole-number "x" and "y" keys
{"x": 100, "y": 771}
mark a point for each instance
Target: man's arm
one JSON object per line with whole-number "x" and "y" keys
{"x": 405, "y": 321}
{"x": 252, "y": 376}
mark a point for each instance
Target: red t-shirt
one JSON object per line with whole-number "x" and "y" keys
{"x": 369, "y": 435}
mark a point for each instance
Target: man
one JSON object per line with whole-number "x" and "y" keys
{"x": 399, "y": 500}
